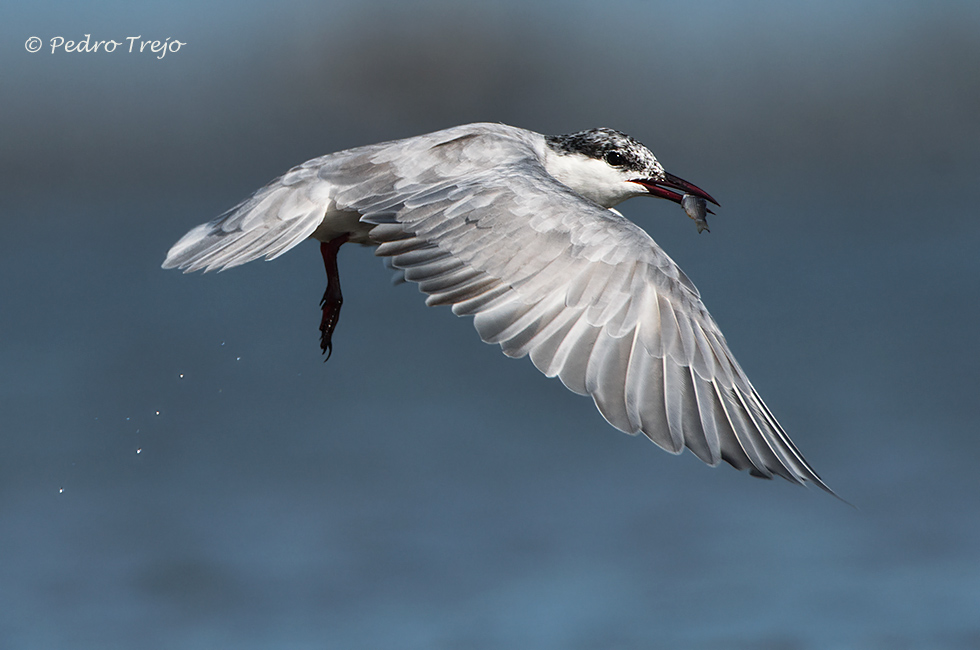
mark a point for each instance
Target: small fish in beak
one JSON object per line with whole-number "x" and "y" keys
{"x": 697, "y": 209}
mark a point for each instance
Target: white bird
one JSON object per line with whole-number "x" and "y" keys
{"x": 518, "y": 230}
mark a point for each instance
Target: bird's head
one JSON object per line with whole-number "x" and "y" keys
{"x": 608, "y": 167}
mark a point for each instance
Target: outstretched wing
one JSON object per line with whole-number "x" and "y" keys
{"x": 587, "y": 294}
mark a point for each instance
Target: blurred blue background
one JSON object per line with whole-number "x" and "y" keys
{"x": 179, "y": 469}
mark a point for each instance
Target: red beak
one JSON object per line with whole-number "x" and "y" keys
{"x": 665, "y": 189}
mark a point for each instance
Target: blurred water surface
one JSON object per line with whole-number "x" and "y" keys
{"x": 178, "y": 468}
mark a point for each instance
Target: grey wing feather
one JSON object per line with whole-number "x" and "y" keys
{"x": 268, "y": 224}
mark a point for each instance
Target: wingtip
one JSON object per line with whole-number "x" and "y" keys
{"x": 816, "y": 480}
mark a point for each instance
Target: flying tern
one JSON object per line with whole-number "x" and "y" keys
{"x": 519, "y": 230}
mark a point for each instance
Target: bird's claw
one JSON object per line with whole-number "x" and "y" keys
{"x": 331, "y": 314}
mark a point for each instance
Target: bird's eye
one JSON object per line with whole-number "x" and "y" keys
{"x": 615, "y": 159}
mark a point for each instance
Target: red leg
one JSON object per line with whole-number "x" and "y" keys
{"x": 332, "y": 298}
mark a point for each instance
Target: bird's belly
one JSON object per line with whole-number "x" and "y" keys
{"x": 343, "y": 222}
